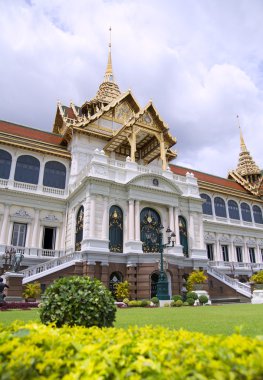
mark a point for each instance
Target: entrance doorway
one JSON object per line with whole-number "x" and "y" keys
{"x": 154, "y": 281}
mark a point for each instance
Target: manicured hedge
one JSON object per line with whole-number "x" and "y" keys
{"x": 18, "y": 305}
{"x": 36, "y": 351}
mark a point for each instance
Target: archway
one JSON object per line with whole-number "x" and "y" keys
{"x": 150, "y": 223}
{"x": 115, "y": 278}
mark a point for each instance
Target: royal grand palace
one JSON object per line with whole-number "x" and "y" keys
{"x": 84, "y": 198}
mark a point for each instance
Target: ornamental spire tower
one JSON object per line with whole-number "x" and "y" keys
{"x": 108, "y": 90}
{"x": 247, "y": 173}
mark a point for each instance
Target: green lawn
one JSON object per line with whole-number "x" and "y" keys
{"x": 207, "y": 319}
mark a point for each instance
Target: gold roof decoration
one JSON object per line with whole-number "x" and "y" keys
{"x": 247, "y": 173}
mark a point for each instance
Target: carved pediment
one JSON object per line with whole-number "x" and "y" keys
{"x": 155, "y": 182}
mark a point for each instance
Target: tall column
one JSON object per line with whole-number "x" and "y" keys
{"x": 13, "y": 168}
{"x": 176, "y": 226}
{"x": 105, "y": 219}
{"x": 3, "y": 237}
{"x": 191, "y": 230}
{"x": 137, "y": 221}
{"x": 131, "y": 219}
{"x": 171, "y": 218}
{"x": 201, "y": 231}
{"x": 58, "y": 237}
{"x": 41, "y": 173}
{"x": 92, "y": 216}
{"x": 35, "y": 237}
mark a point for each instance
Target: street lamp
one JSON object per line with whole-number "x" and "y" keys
{"x": 162, "y": 284}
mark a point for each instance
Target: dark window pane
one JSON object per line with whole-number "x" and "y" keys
{"x": 79, "y": 229}
{"x": 27, "y": 169}
{"x": 220, "y": 207}
{"x": 150, "y": 235}
{"x": 54, "y": 175}
{"x": 257, "y": 214}
{"x": 5, "y": 164}
{"x": 115, "y": 229}
{"x": 233, "y": 210}
{"x": 207, "y": 205}
{"x": 246, "y": 213}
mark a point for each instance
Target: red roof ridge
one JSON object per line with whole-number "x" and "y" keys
{"x": 33, "y": 129}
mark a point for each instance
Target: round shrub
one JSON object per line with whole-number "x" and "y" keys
{"x": 192, "y": 295}
{"x": 126, "y": 300}
{"x": 203, "y": 299}
{"x": 155, "y": 300}
{"x": 135, "y": 303}
{"x": 186, "y": 303}
{"x": 178, "y": 303}
{"x": 79, "y": 301}
{"x": 177, "y": 297}
{"x": 145, "y": 303}
{"x": 190, "y": 301}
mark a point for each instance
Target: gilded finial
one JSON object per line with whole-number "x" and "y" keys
{"x": 242, "y": 142}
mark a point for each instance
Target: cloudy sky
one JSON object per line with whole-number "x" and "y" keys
{"x": 200, "y": 61}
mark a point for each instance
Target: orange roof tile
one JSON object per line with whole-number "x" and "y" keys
{"x": 30, "y": 133}
{"x": 209, "y": 178}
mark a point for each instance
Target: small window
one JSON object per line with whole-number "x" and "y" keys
{"x": 19, "y": 235}
{"x": 225, "y": 252}
{"x": 210, "y": 251}
{"x": 252, "y": 255}
{"x": 54, "y": 175}
{"x": 5, "y": 164}
{"x": 233, "y": 210}
{"x": 239, "y": 254}
{"x": 27, "y": 169}
{"x": 257, "y": 213}
{"x": 207, "y": 205}
{"x": 246, "y": 212}
{"x": 49, "y": 238}
{"x": 220, "y": 207}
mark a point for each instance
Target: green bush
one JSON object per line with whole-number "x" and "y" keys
{"x": 135, "y": 303}
{"x": 155, "y": 300}
{"x": 178, "y": 303}
{"x": 122, "y": 290}
{"x": 80, "y": 301}
{"x": 192, "y": 295}
{"x": 195, "y": 277}
{"x": 190, "y": 301}
{"x": 177, "y": 297}
{"x": 145, "y": 303}
{"x": 186, "y": 303}
{"x": 203, "y": 299}
{"x": 126, "y": 300}
{"x": 35, "y": 351}
{"x": 257, "y": 278}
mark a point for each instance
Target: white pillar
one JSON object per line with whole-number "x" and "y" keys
{"x": 176, "y": 226}
{"x": 137, "y": 221}
{"x": 28, "y": 235}
{"x": 41, "y": 173}
{"x": 131, "y": 219}
{"x": 92, "y": 221}
{"x": 3, "y": 239}
{"x": 35, "y": 237}
{"x": 201, "y": 231}
{"x": 105, "y": 219}
{"x": 58, "y": 238}
{"x": 13, "y": 168}
{"x": 192, "y": 231}
{"x": 171, "y": 218}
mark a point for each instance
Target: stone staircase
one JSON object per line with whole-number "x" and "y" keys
{"x": 242, "y": 291}
{"x": 38, "y": 271}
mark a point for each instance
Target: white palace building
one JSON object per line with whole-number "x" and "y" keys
{"x": 85, "y": 198}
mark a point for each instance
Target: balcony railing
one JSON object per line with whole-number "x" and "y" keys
{"x": 31, "y": 188}
{"x": 35, "y": 252}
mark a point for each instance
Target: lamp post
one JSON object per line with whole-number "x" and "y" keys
{"x": 162, "y": 284}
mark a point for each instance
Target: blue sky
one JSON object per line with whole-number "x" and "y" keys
{"x": 200, "y": 61}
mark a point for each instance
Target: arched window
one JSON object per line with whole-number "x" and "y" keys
{"x": 233, "y": 210}
{"x": 27, "y": 169}
{"x": 183, "y": 234}
{"x": 246, "y": 212}
{"x": 115, "y": 278}
{"x": 79, "y": 229}
{"x": 207, "y": 205}
{"x": 220, "y": 207}
{"x": 54, "y": 175}
{"x": 5, "y": 164}
{"x": 116, "y": 229}
{"x": 257, "y": 213}
{"x": 150, "y": 234}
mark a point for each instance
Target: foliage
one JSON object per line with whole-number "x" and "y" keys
{"x": 203, "y": 299}
{"x": 192, "y": 295}
{"x": 80, "y": 301}
{"x": 155, "y": 300}
{"x": 145, "y": 303}
{"x": 19, "y": 305}
{"x": 177, "y": 303}
{"x": 32, "y": 290}
{"x": 195, "y": 277}
{"x": 186, "y": 303}
{"x": 190, "y": 301}
{"x": 122, "y": 290}
{"x": 177, "y": 297}
{"x": 135, "y": 353}
{"x": 257, "y": 278}
{"x": 126, "y": 300}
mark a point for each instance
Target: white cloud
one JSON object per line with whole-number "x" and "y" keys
{"x": 200, "y": 62}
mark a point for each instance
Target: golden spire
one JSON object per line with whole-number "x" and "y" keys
{"x": 108, "y": 77}
{"x": 242, "y": 142}
{"x": 108, "y": 90}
